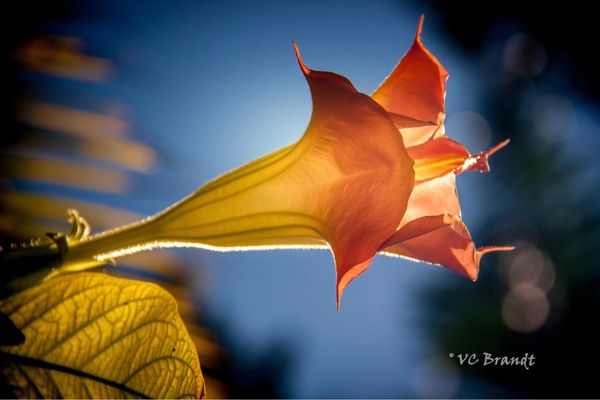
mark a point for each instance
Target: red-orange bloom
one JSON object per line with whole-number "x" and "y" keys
{"x": 370, "y": 174}
{"x": 431, "y": 230}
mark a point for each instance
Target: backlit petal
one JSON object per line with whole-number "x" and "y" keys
{"x": 414, "y": 93}
{"x": 441, "y": 239}
{"x": 433, "y": 197}
{"x": 437, "y": 157}
{"x": 366, "y": 147}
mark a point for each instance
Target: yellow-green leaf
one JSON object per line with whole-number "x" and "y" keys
{"x": 92, "y": 335}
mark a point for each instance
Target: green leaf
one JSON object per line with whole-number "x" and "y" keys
{"x": 90, "y": 335}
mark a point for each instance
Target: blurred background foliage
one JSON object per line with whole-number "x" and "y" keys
{"x": 538, "y": 87}
{"x": 68, "y": 141}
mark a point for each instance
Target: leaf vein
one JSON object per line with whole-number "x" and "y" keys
{"x": 37, "y": 363}
{"x": 96, "y": 318}
{"x": 153, "y": 361}
{"x": 122, "y": 337}
{"x": 55, "y": 305}
{"x": 30, "y": 381}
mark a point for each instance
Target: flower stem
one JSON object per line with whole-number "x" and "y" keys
{"x": 107, "y": 245}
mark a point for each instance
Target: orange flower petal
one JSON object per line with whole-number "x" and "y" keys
{"x": 433, "y": 197}
{"x": 370, "y": 196}
{"x": 414, "y": 92}
{"x": 437, "y": 157}
{"x": 431, "y": 229}
{"x": 344, "y": 279}
{"x": 441, "y": 239}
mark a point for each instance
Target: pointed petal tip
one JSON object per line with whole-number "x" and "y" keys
{"x": 340, "y": 287}
{"x": 497, "y": 147}
{"x": 479, "y": 161}
{"x": 482, "y": 251}
{"x": 472, "y": 273}
{"x": 344, "y": 278}
{"x": 420, "y": 28}
{"x": 489, "y": 249}
{"x": 303, "y": 67}
{"x": 479, "y": 253}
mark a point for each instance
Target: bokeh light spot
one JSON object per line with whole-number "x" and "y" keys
{"x": 525, "y": 308}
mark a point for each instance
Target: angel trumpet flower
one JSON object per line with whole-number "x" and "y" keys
{"x": 370, "y": 174}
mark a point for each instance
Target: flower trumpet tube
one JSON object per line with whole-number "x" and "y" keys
{"x": 370, "y": 174}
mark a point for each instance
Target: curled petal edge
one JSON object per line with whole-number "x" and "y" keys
{"x": 442, "y": 240}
